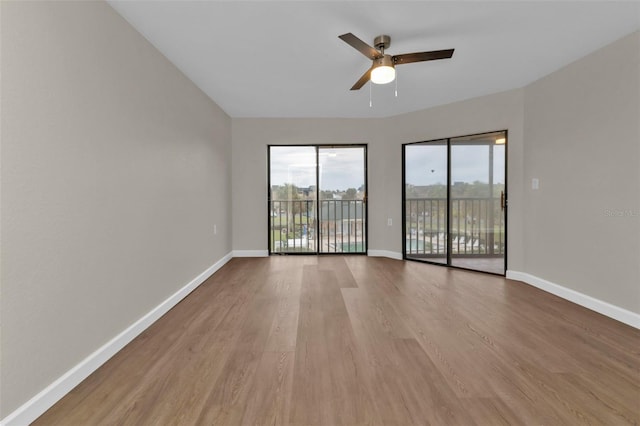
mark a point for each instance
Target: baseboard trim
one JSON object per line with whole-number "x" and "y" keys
{"x": 597, "y": 305}
{"x": 384, "y": 253}
{"x": 250, "y": 253}
{"x": 44, "y": 400}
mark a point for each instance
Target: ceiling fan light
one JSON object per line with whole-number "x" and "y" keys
{"x": 383, "y": 71}
{"x": 383, "y": 75}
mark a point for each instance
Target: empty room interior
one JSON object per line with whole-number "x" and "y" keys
{"x": 319, "y": 213}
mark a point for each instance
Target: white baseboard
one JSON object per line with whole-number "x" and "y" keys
{"x": 250, "y": 253}
{"x": 384, "y": 253}
{"x": 44, "y": 400}
{"x": 597, "y": 305}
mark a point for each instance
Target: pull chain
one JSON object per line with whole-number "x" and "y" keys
{"x": 370, "y": 103}
{"x": 396, "y": 85}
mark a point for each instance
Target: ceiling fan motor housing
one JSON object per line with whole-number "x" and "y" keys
{"x": 385, "y": 61}
{"x": 382, "y": 42}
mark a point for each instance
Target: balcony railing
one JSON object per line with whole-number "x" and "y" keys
{"x": 477, "y": 227}
{"x": 341, "y": 225}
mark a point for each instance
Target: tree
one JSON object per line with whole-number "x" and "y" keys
{"x": 287, "y": 199}
{"x": 350, "y": 194}
{"x": 326, "y": 195}
{"x": 288, "y": 191}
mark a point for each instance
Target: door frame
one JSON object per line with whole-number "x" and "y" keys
{"x": 317, "y": 148}
{"x": 449, "y": 236}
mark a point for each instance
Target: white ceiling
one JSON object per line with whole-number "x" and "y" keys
{"x": 284, "y": 58}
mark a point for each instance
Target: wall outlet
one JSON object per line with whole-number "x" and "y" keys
{"x": 215, "y": 229}
{"x": 535, "y": 183}
{"x": 389, "y": 222}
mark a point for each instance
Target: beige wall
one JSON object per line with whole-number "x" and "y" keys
{"x": 384, "y": 138}
{"x": 114, "y": 169}
{"x": 582, "y": 141}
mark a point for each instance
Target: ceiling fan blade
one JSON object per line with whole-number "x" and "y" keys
{"x": 363, "y": 80}
{"x": 361, "y": 46}
{"x": 407, "y": 58}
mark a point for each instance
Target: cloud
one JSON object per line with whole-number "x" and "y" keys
{"x": 426, "y": 164}
{"x": 339, "y": 168}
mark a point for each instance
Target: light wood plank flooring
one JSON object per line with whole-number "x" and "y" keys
{"x": 307, "y": 340}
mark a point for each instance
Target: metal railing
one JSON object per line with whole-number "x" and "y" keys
{"x": 477, "y": 227}
{"x": 293, "y": 226}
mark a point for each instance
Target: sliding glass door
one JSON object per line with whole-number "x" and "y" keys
{"x": 477, "y": 202}
{"x": 455, "y": 201}
{"x": 342, "y": 199}
{"x": 292, "y": 203}
{"x": 426, "y": 208}
{"x": 317, "y": 199}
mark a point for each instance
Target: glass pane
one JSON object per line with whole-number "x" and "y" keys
{"x": 426, "y": 201}
{"x": 477, "y": 188}
{"x": 342, "y": 199}
{"x": 293, "y": 193}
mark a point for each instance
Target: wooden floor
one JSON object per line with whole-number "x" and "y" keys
{"x": 307, "y": 340}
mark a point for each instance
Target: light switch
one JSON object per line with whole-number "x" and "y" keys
{"x": 535, "y": 183}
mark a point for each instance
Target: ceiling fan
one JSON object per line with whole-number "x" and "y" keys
{"x": 382, "y": 70}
